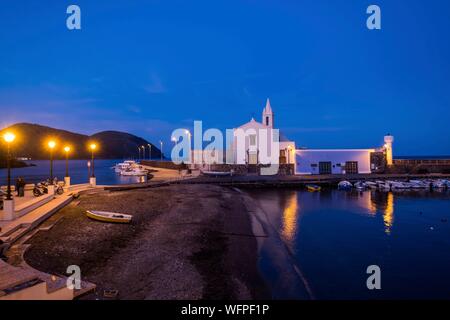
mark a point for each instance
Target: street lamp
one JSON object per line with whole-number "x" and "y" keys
{"x": 139, "y": 156}
{"x": 174, "y": 140}
{"x": 161, "y": 150}
{"x": 149, "y": 151}
{"x": 143, "y": 152}
{"x": 51, "y": 145}
{"x": 93, "y": 146}
{"x": 188, "y": 133}
{"x": 9, "y": 138}
{"x": 67, "y": 150}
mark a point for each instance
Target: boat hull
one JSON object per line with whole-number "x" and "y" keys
{"x": 109, "y": 217}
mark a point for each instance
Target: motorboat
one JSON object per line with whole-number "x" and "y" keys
{"x": 118, "y": 168}
{"x": 371, "y": 184}
{"x": 134, "y": 171}
{"x": 360, "y": 185}
{"x": 345, "y": 185}
{"x": 313, "y": 187}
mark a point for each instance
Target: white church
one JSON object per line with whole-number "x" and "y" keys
{"x": 308, "y": 161}
{"x": 258, "y": 136}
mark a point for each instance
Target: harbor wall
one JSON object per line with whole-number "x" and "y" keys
{"x": 239, "y": 169}
{"x": 420, "y": 166}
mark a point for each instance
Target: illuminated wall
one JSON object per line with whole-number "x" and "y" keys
{"x": 307, "y": 161}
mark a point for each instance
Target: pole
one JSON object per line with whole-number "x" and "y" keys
{"x": 150, "y": 151}
{"x": 8, "y": 160}
{"x": 161, "y": 149}
{"x": 67, "y": 163}
{"x": 92, "y": 164}
{"x": 51, "y": 165}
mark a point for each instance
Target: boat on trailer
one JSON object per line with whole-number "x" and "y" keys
{"x": 105, "y": 216}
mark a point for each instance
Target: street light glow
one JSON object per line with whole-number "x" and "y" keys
{"x": 51, "y": 144}
{"x": 67, "y": 149}
{"x": 93, "y": 146}
{"x": 9, "y": 137}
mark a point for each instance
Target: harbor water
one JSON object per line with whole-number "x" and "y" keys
{"x": 332, "y": 237}
{"x": 78, "y": 171}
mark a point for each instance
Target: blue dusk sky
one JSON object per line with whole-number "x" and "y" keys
{"x": 148, "y": 67}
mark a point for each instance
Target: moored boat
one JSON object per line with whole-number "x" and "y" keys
{"x": 313, "y": 187}
{"x": 345, "y": 185}
{"x": 109, "y": 216}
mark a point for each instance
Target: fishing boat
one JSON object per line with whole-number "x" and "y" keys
{"x": 109, "y": 216}
{"x": 313, "y": 187}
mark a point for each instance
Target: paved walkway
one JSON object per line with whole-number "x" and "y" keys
{"x": 13, "y": 230}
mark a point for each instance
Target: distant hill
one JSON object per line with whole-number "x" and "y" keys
{"x": 31, "y": 142}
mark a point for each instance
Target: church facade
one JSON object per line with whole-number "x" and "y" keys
{"x": 255, "y": 142}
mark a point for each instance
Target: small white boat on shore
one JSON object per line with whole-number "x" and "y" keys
{"x": 216, "y": 173}
{"x": 109, "y": 216}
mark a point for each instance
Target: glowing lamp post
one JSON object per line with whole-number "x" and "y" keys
{"x": 161, "y": 144}
{"x": 143, "y": 152}
{"x": 67, "y": 178}
{"x": 188, "y": 133}
{"x": 149, "y": 151}
{"x": 9, "y": 138}
{"x": 93, "y": 180}
{"x": 51, "y": 146}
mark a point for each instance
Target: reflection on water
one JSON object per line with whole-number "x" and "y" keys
{"x": 388, "y": 216}
{"x": 290, "y": 218}
{"x": 405, "y": 233}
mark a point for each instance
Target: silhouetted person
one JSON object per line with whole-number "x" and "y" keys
{"x": 20, "y": 187}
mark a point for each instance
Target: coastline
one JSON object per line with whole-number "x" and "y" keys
{"x": 185, "y": 242}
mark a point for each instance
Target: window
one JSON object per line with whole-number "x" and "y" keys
{"x": 267, "y": 121}
{"x": 325, "y": 167}
{"x": 351, "y": 167}
{"x": 253, "y": 139}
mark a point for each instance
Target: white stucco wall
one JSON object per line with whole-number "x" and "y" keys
{"x": 305, "y": 158}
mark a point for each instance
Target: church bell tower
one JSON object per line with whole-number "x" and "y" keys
{"x": 267, "y": 115}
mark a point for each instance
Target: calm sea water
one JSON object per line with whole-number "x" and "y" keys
{"x": 78, "y": 171}
{"x": 333, "y": 236}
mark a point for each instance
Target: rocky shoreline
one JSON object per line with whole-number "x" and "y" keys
{"x": 185, "y": 242}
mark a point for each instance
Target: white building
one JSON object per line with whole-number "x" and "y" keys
{"x": 333, "y": 161}
{"x": 256, "y": 137}
{"x": 342, "y": 161}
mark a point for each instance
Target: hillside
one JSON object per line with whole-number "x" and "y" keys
{"x": 31, "y": 142}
